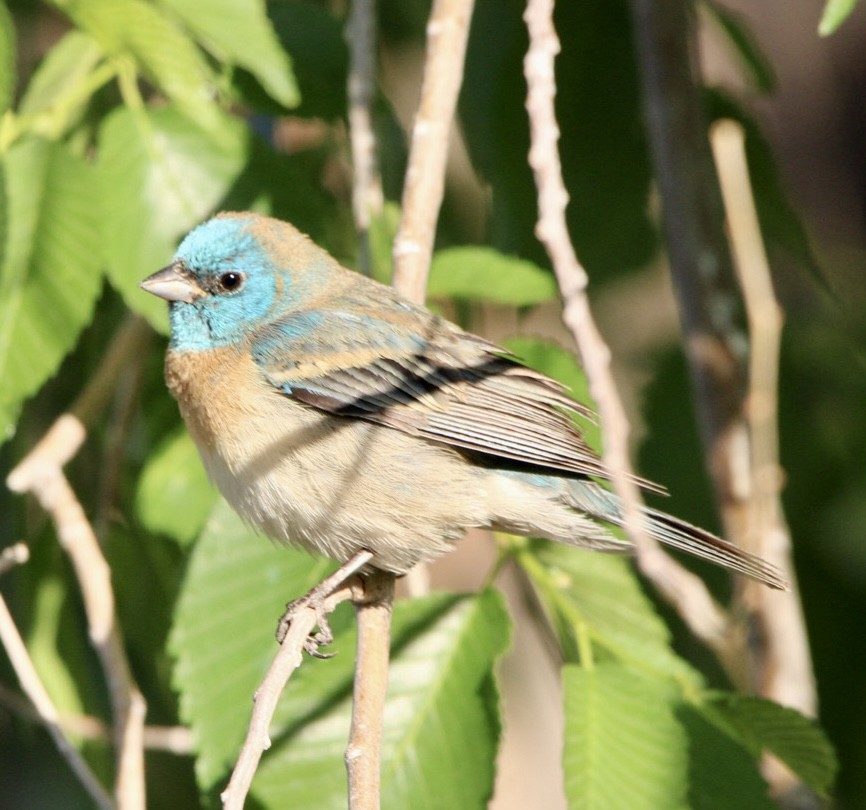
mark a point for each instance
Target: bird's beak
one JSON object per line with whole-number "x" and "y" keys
{"x": 173, "y": 283}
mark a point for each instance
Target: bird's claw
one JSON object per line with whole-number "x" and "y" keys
{"x": 314, "y": 641}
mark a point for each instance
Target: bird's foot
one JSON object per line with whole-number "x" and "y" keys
{"x": 323, "y": 636}
{"x": 317, "y": 600}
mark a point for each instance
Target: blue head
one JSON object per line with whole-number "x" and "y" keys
{"x": 234, "y": 273}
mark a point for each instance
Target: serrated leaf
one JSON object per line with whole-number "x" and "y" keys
{"x": 7, "y": 58}
{"x": 174, "y": 495}
{"x": 563, "y": 366}
{"x": 239, "y": 32}
{"x": 484, "y": 274}
{"x": 745, "y": 46}
{"x": 160, "y": 175}
{"x": 139, "y": 31}
{"x": 235, "y": 589}
{"x": 722, "y": 772}
{"x": 51, "y": 275}
{"x": 51, "y": 91}
{"x": 440, "y": 728}
{"x": 763, "y": 725}
{"x": 834, "y": 14}
{"x": 624, "y": 747}
{"x": 602, "y": 592}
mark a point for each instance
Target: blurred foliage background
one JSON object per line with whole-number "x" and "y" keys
{"x": 129, "y": 122}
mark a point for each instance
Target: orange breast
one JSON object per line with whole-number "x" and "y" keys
{"x": 215, "y": 390}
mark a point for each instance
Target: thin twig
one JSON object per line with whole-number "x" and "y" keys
{"x": 286, "y": 661}
{"x": 371, "y": 686}
{"x": 681, "y": 588}
{"x": 447, "y": 34}
{"x": 171, "y": 739}
{"x": 13, "y": 555}
{"x": 46, "y": 711}
{"x": 41, "y": 472}
{"x": 781, "y": 663}
{"x": 367, "y": 197}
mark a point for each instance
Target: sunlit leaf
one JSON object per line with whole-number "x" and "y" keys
{"x": 239, "y": 32}
{"x": 7, "y": 58}
{"x": 51, "y": 274}
{"x": 155, "y": 45}
{"x": 624, "y": 747}
{"x": 440, "y": 728}
{"x": 235, "y": 589}
{"x": 835, "y": 13}
{"x": 484, "y": 274}
{"x": 160, "y": 176}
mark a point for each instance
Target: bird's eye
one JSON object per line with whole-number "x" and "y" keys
{"x": 231, "y": 281}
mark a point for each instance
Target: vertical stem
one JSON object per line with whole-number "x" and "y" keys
{"x": 367, "y": 196}
{"x": 447, "y": 34}
{"x": 371, "y": 685}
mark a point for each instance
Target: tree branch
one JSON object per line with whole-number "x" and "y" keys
{"x": 680, "y": 587}
{"x": 447, "y": 34}
{"x": 41, "y": 473}
{"x": 781, "y": 663}
{"x": 371, "y": 686}
{"x": 33, "y": 687}
{"x": 286, "y": 661}
{"x": 367, "y": 198}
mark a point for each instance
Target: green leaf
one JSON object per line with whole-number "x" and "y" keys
{"x": 602, "y": 593}
{"x": 561, "y": 364}
{"x": 235, "y": 589}
{"x": 763, "y": 725}
{"x": 174, "y": 495}
{"x": 140, "y": 32}
{"x": 624, "y": 747}
{"x": 485, "y": 274}
{"x": 441, "y": 723}
{"x": 722, "y": 772}
{"x": 439, "y": 713}
{"x": 835, "y": 13}
{"x": 64, "y": 69}
{"x": 239, "y": 32}
{"x": 160, "y": 176}
{"x": 50, "y": 277}
{"x": 7, "y": 58}
{"x": 744, "y": 44}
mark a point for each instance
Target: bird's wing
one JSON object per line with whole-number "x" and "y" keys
{"x": 433, "y": 380}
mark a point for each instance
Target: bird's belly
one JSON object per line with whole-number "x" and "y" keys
{"x": 332, "y": 485}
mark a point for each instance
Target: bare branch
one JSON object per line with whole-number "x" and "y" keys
{"x": 46, "y": 711}
{"x": 447, "y": 34}
{"x": 286, "y": 661}
{"x": 371, "y": 686}
{"x": 681, "y": 588}
{"x": 367, "y": 198}
{"x": 41, "y": 473}
{"x": 780, "y": 658}
{"x": 13, "y": 555}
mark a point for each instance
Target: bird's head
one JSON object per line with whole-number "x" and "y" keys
{"x": 234, "y": 273}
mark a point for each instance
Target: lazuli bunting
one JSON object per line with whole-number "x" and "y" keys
{"x": 334, "y": 414}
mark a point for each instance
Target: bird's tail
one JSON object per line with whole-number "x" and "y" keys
{"x": 596, "y": 501}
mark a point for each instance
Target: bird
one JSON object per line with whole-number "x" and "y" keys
{"x": 336, "y": 415}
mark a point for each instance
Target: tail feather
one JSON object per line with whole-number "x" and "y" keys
{"x": 602, "y": 504}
